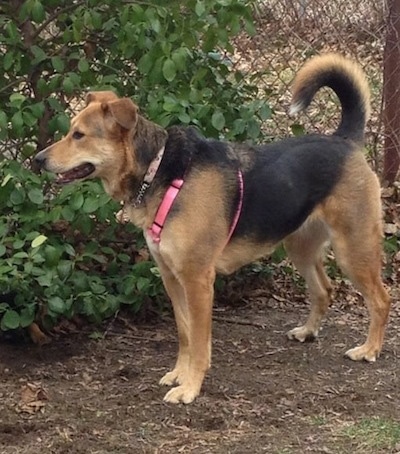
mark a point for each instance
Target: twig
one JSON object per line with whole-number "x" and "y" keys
{"x": 137, "y": 337}
{"x": 238, "y": 322}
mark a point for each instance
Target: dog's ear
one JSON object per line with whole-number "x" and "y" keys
{"x": 100, "y": 96}
{"x": 124, "y": 111}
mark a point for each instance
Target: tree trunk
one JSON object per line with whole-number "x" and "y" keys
{"x": 391, "y": 93}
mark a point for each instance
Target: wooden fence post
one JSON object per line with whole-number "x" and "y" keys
{"x": 391, "y": 93}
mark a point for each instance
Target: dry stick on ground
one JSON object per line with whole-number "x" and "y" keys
{"x": 235, "y": 321}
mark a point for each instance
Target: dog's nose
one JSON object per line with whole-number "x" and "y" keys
{"x": 39, "y": 161}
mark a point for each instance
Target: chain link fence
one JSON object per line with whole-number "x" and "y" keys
{"x": 291, "y": 31}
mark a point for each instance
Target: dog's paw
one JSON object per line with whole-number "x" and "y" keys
{"x": 363, "y": 352}
{"x": 171, "y": 378}
{"x": 183, "y": 393}
{"x": 302, "y": 334}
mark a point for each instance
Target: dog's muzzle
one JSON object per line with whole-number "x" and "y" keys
{"x": 39, "y": 161}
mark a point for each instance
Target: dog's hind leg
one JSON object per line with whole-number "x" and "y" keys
{"x": 305, "y": 248}
{"x": 353, "y": 214}
{"x": 359, "y": 255}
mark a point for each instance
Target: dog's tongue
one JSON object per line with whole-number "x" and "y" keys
{"x": 76, "y": 173}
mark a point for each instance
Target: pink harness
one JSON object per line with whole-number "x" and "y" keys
{"x": 166, "y": 204}
{"x": 169, "y": 198}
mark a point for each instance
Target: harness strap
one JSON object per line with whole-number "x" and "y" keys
{"x": 239, "y": 207}
{"x": 165, "y": 206}
{"x": 169, "y": 198}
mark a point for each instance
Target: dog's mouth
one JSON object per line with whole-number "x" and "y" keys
{"x": 77, "y": 173}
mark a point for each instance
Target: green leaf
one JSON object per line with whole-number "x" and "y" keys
{"x": 218, "y": 120}
{"x": 83, "y": 65}
{"x": 17, "y": 196}
{"x": 297, "y": 129}
{"x": 10, "y": 320}
{"x": 239, "y": 125}
{"x": 142, "y": 283}
{"x": 20, "y": 255}
{"x": 17, "y": 99}
{"x": 7, "y": 178}
{"x": 64, "y": 269}
{"x": 63, "y": 123}
{"x": 145, "y": 63}
{"x": 171, "y": 104}
{"x": 90, "y": 205}
{"x": 253, "y": 129}
{"x": 39, "y": 54}
{"x": 58, "y": 64}
{"x": 3, "y": 120}
{"x": 17, "y": 121}
{"x": 68, "y": 213}
{"x": 8, "y": 60}
{"x": 76, "y": 201}
{"x": 56, "y": 305}
{"x": 38, "y": 241}
{"x": 155, "y": 25}
{"x": 52, "y": 255}
{"x": 3, "y": 307}
{"x": 250, "y": 27}
{"x": 70, "y": 250}
{"x": 183, "y": 117}
{"x": 29, "y": 119}
{"x": 38, "y": 12}
{"x": 12, "y": 31}
{"x": 200, "y": 8}
{"x": 37, "y": 109}
{"x": 68, "y": 85}
{"x": 169, "y": 70}
{"x": 27, "y": 316}
{"x": 36, "y": 196}
{"x": 18, "y": 244}
{"x": 125, "y": 258}
{"x": 265, "y": 112}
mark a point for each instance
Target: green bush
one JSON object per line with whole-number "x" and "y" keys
{"x": 50, "y": 252}
{"x": 62, "y": 247}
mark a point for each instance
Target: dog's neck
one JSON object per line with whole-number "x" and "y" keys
{"x": 148, "y": 178}
{"x": 149, "y": 145}
{"x": 141, "y": 148}
{"x": 144, "y": 148}
{"x": 148, "y": 139}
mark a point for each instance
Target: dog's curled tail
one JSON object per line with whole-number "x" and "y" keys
{"x": 347, "y": 80}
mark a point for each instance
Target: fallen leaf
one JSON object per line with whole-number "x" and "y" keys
{"x": 33, "y": 398}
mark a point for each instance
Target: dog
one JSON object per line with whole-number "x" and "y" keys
{"x": 208, "y": 206}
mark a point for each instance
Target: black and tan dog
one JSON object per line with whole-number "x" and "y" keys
{"x": 302, "y": 191}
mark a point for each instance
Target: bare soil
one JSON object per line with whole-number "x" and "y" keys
{"x": 263, "y": 394}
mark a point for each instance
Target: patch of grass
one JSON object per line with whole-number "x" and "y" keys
{"x": 284, "y": 451}
{"x": 318, "y": 420}
{"x": 374, "y": 433}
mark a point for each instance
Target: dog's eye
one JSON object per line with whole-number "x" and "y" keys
{"x": 77, "y": 135}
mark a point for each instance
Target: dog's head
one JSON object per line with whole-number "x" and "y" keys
{"x": 96, "y": 142}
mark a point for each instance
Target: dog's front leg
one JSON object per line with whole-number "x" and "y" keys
{"x": 176, "y": 293}
{"x": 199, "y": 292}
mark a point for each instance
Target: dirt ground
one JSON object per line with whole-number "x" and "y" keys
{"x": 263, "y": 394}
